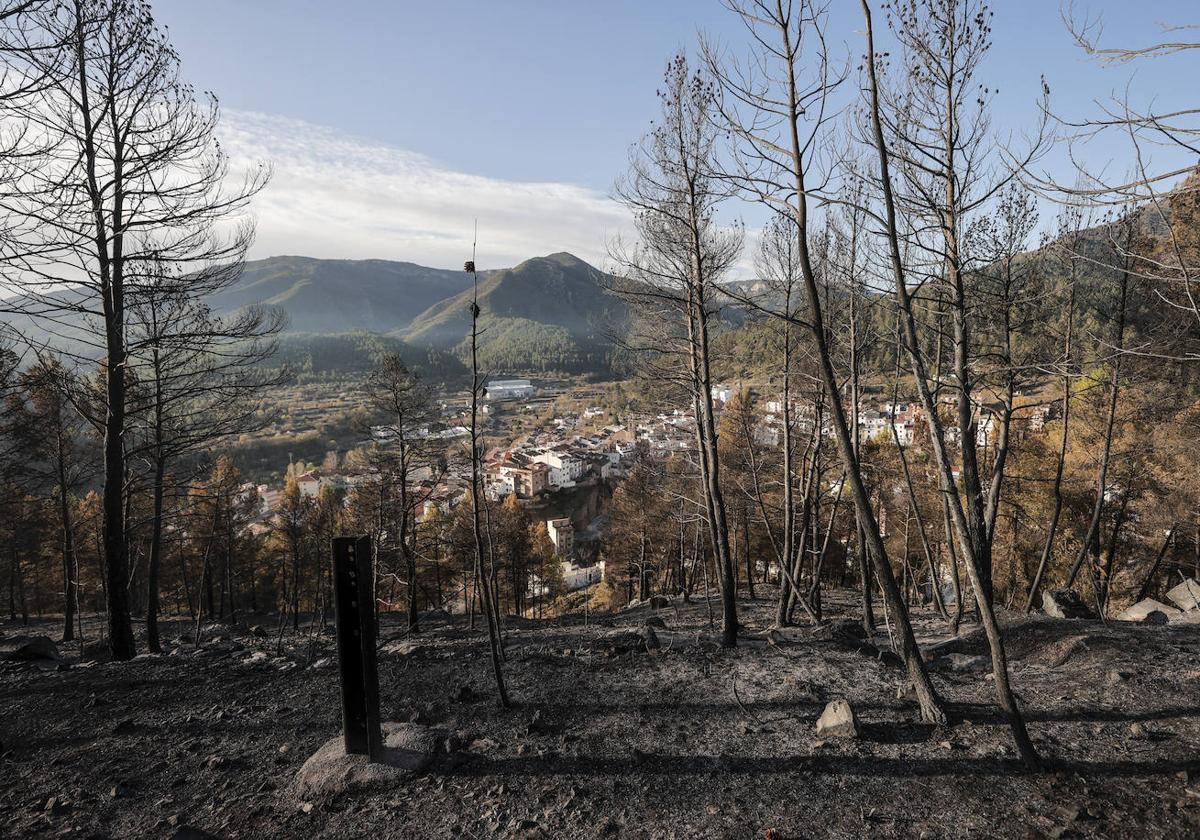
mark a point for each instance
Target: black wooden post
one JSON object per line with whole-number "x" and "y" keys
{"x": 354, "y": 604}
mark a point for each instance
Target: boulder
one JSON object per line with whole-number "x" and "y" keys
{"x": 408, "y": 749}
{"x": 838, "y": 721}
{"x": 28, "y": 649}
{"x": 622, "y": 641}
{"x": 658, "y": 602}
{"x": 841, "y": 629}
{"x": 1149, "y": 611}
{"x": 1186, "y": 595}
{"x": 1065, "y": 603}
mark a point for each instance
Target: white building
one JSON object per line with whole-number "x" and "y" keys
{"x": 871, "y": 423}
{"x": 565, "y": 466}
{"x": 577, "y": 577}
{"x": 509, "y": 389}
{"x": 562, "y": 534}
{"x": 987, "y": 425}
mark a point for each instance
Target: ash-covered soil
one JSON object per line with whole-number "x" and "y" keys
{"x": 609, "y": 739}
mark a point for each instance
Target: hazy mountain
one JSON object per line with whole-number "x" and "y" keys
{"x": 337, "y": 296}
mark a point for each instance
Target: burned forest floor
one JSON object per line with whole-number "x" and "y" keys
{"x": 615, "y": 731}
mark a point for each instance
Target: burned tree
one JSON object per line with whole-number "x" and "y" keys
{"x": 939, "y": 150}
{"x": 196, "y": 377}
{"x": 122, "y": 175}
{"x": 674, "y": 192}
{"x": 401, "y": 458}
{"x": 775, "y": 109}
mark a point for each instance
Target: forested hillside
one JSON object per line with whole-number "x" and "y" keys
{"x": 358, "y": 352}
{"x": 548, "y": 313}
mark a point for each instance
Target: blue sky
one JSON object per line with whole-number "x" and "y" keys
{"x": 392, "y": 124}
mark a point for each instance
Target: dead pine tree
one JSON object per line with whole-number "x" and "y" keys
{"x": 774, "y": 107}
{"x": 121, "y": 153}
{"x": 400, "y": 395}
{"x": 481, "y": 577}
{"x": 943, "y": 43}
{"x": 198, "y": 377}
{"x": 672, "y": 274}
{"x": 48, "y": 431}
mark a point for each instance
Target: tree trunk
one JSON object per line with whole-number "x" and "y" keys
{"x": 969, "y": 524}
{"x": 1144, "y": 589}
{"x": 152, "y": 572}
{"x": 69, "y": 560}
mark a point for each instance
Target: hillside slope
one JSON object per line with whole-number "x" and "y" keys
{"x": 548, "y": 313}
{"x": 338, "y": 296}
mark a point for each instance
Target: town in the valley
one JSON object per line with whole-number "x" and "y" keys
{"x": 559, "y": 455}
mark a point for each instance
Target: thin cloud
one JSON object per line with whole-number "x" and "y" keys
{"x": 337, "y": 196}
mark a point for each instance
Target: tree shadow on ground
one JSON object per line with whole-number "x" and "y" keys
{"x": 985, "y": 714}
{"x": 866, "y": 766}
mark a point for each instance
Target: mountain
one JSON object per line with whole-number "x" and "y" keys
{"x": 548, "y": 313}
{"x": 338, "y": 296}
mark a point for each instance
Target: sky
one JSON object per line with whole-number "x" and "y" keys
{"x": 392, "y": 125}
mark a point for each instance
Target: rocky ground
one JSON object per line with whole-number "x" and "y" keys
{"x": 611, "y": 737}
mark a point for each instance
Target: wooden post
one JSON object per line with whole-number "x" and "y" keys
{"x": 354, "y": 604}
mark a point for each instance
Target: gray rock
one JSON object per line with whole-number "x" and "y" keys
{"x": 1145, "y": 611}
{"x": 622, "y": 641}
{"x": 838, "y": 721}
{"x": 1065, "y": 603}
{"x": 28, "y": 649}
{"x": 1186, "y": 595}
{"x": 408, "y": 749}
